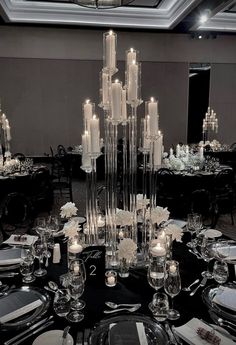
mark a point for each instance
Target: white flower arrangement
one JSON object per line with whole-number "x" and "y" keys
{"x": 127, "y": 249}
{"x": 124, "y": 218}
{"x": 68, "y": 210}
{"x": 142, "y": 202}
{"x": 175, "y": 231}
{"x": 159, "y": 215}
{"x": 71, "y": 228}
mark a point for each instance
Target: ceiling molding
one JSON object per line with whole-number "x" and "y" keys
{"x": 225, "y": 22}
{"x": 166, "y": 16}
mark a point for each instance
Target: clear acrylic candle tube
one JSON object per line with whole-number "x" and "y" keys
{"x": 133, "y": 82}
{"x": 95, "y": 149}
{"x": 151, "y": 109}
{"x": 144, "y": 138}
{"x": 131, "y": 55}
{"x": 116, "y": 102}
{"x": 109, "y": 52}
{"x": 104, "y": 90}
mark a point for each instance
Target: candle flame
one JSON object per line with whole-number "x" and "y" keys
{"x": 117, "y": 81}
{"x": 131, "y": 49}
{"x": 110, "y": 32}
{"x": 152, "y": 99}
{"x": 87, "y": 101}
{"x": 86, "y": 132}
{"x": 133, "y": 62}
{"x": 94, "y": 116}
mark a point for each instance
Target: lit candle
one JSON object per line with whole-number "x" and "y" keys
{"x": 177, "y": 150}
{"x": 88, "y": 110}
{"x": 86, "y": 159}
{"x": 201, "y": 152}
{"x": 132, "y": 82}
{"x": 110, "y": 278}
{"x": 105, "y": 88}
{"x": 124, "y": 105}
{"x": 158, "y": 250}
{"x": 110, "y": 50}
{"x": 76, "y": 269}
{"x": 131, "y": 56}
{"x": 157, "y": 153}
{"x": 116, "y": 99}
{"x": 75, "y": 248}
{"x": 94, "y": 135}
{"x": 171, "y": 151}
{"x": 172, "y": 269}
{"x": 8, "y": 130}
{"x": 153, "y": 113}
{"x": 146, "y": 133}
{"x": 100, "y": 222}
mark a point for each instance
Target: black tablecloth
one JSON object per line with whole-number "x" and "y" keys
{"x": 134, "y": 289}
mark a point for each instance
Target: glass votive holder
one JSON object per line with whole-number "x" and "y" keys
{"x": 169, "y": 243}
{"x": 110, "y": 278}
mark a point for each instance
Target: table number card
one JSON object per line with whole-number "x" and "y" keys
{"x": 94, "y": 260}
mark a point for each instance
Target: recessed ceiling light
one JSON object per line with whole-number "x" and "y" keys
{"x": 204, "y": 16}
{"x": 200, "y": 37}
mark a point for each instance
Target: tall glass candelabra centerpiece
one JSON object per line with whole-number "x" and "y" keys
{"x": 5, "y": 138}
{"x": 210, "y": 124}
{"x": 119, "y": 102}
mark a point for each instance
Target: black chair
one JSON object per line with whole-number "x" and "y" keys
{"x": 41, "y": 190}
{"x": 20, "y": 156}
{"x": 16, "y": 214}
{"x": 223, "y": 194}
{"x": 62, "y": 178}
{"x": 201, "y": 203}
{"x": 233, "y": 147}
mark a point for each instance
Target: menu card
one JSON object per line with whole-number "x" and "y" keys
{"x": 127, "y": 333}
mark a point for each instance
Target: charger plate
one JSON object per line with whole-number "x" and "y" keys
{"x": 155, "y": 334}
{"x": 30, "y": 317}
{"x": 208, "y": 295}
{"x": 215, "y": 249}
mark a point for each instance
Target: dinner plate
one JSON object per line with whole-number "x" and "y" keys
{"x": 211, "y": 233}
{"x": 29, "y": 294}
{"x": 153, "y": 331}
{"x": 53, "y": 337}
{"x": 208, "y": 295}
{"x": 227, "y": 252}
{"x": 9, "y": 267}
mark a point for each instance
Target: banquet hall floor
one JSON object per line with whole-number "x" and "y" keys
{"x": 79, "y": 192}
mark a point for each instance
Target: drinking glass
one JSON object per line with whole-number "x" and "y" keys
{"x": 52, "y": 228}
{"x": 77, "y": 267}
{"x": 172, "y": 285}
{"x": 222, "y": 249}
{"x": 61, "y": 303}
{"x": 194, "y": 225}
{"x": 40, "y": 248}
{"x": 27, "y": 265}
{"x": 159, "y": 306}
{"x": 40, "y": 226}
{"x": 220, "y": 272}
{"x": 155, "y": 274}
{"x": 76, "y": 287}
{"x": 206, "y": 252}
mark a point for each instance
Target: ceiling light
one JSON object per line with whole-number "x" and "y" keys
{"x": 103, "y": 4}
{"x": 200, "y": 37}
{"x": 205, "y": 16}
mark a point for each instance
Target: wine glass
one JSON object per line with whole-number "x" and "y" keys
{"x": 61, "y": 303}
{"x": 206, "y": 252}
{"x": 222, "y": 249}
{"x": 52, "y": 228}
{"x": 194, "y": 225}
{"x": 40, "y": 252}
{"x": 220, "y": 272}
{"x": 155, "y": 274}
{"x": 76, "y": 287}
{"x": 172, "y": 285}
{"x": 27, "y": 265}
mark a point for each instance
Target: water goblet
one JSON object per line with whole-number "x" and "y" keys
{"x": 220, "y": 272}
{"x": 52, "y": 228}
{"x": 76, "y": 287}
{"x": 172, "y": 285}
{"x": 155, "y": 274}
{"x": 159, "y": 306}
{"x": 194, "y": 225}
{"x": 27, "y": 265}
{"x": 40, "y": 226}
{"x": 61, "y": 303}
{"x": 40, "y": 252}
{"x": 207, "y": 255}
{"x": 222, "y": 249}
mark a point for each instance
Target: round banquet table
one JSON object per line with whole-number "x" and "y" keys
{"x": 134, "y": 289}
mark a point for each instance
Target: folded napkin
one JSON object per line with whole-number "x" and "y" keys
{"x": 10, "y": 256}
{"x": 127, "y": 333}
{"x": 27, "y": 240}
{"x": 226, "y": 297}
{"x": 188, "y": 333}
{"x": 178, "y": 222}
{"x": 17, "y": 304}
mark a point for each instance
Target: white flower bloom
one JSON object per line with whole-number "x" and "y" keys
{"x": 159, "y": 215}
{"x": 68, "y": 210}
{"x": 71, "y": 228}
{"x": 175, "y": 231}
{"x": 142, "y": 202}
{"x": 127, "y": 249}
{"x": 124, "y": 218}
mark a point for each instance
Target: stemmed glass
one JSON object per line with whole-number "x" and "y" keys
{"x": 222, "y": 249}
{"x": 220, "y": 272}
{"x": 194, "y": 225}
{"x": 27, "y": 264}
{"x": 76, "y": 287}
{"x": 206, "y": 252}
{"x": 40, "y": 248}
{"x": 40, "y": 226}
{"x": 172, "y": 285}
{"x": 52, "y": 227}
{"x": 61, "y": 303}
{"x": 155, "y": 274}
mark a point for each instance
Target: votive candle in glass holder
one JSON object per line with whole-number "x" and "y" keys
{"x": 110, "y": 278}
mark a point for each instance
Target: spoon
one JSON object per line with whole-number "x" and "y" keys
{"x": 54, "y": 287}
{"x": 189, "y": 287}
{"x": 131, "y": 310}
{"x": 115, "y": 306}
{"x": 197, "y": 255}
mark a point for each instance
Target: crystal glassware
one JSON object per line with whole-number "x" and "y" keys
{"x": 40, "y": 248}
{"x": 159, "y": 306}
{"x": 61, "y": 303}
{"x": 155, "y": 274}
{"x": 27, "y": 265}
{"x": 194, "y": 225}
{"x": 172, "y": 285}
{"x": 206, "y": 252}
{"x": 76, "y": 287}
{"x": 52, "y": 228}
{"x": 220, "y": 272}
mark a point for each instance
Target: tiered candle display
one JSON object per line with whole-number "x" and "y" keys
{"x": 210, "y": 123}
{"x": 5, "y": 137}
{"x": 114, "y": 99}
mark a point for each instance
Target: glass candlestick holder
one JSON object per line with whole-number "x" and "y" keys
{"x": 110, "y": 278}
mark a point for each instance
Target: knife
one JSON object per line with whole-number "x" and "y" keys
{"x": 37, "y": 324}
{"x": 203, "y": 283}
{"x": 47, "y": 324}
{"x": 9, "y": 275}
